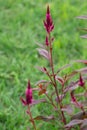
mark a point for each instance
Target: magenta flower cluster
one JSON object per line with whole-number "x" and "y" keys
{"x": 28, "y": 94}
{"x": 48, "y": 23}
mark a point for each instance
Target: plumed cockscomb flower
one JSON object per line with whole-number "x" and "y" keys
{"x": 48, "y": 23}
{"x": 28, "y": 94}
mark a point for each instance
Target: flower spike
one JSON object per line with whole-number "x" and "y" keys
{"x": 28, "y": 94}
{"x": 48, "y": 23}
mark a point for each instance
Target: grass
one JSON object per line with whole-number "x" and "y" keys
{"x": 21, "y": 27}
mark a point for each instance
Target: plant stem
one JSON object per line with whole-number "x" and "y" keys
{"x": 54, "y": 83}
{"x": 50, "y": 100}
{"x": 50, "y": 77}
{"x": 31, "y": 118}
{"x": 60, "y": 105}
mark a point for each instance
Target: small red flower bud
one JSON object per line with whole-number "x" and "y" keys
{"x": 75, "y": 102}
{"x": 81, "y": 82}
{"x": 44, "y": 69}
{"x": 47, "y": 41}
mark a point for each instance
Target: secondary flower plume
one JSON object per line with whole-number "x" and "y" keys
{"x": 28, "y": 94}
{"x": 48, "y": 23}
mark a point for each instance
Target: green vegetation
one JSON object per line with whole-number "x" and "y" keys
{"x": 21, "y": 27}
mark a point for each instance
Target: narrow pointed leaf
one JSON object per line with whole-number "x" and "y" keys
{"x": 52, "y": 94}
{"x": 83, "y": 70}
{"x": 67, "y": 77}
{"x": 64, "y": 67}
{"x": 44, "y": 118}
{"x": 41, "y": 81}
{"x": 84, "y": 36}
{"x": 23, "y": 101}
{"x": 72, "y": 86}
{"x": 60, "y": 97}
{"x": 80, "y": 116}
{"x": 68, "y": 109}
{"x": 40, "y": 45}
{"x": 77, "y": 105}
{"x": 84, "y": 125}
{"x": 82, "y": 61}
{"x": 82, "y": 17}
{"x": 85, "y": 29}
{"x": 34, "y": 102}
{"x": 73, "y": 123}
{"x": 44, "y": 53}
{"x": 41, "y": 69}
{"x": 60, "y": 80}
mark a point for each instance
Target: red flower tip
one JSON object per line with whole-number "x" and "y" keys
{"x": 48, "y": 23}
{"x": 75, "y": 102}
{"x": 29, "y": 86}
{"x": 48, "y": 10}
{"x": 81, "y": 82}
{"x": 44, "y": 69}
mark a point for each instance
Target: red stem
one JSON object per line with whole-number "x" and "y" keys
{"x": 50, "y": 100}
{"x": 54, "y": 83}
{"x": 31, "y": 118}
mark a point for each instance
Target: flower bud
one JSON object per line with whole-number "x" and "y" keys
{"x": 48, "y": 23}
{"x": 81, "y": 82}
{"x": 28, "y": 94}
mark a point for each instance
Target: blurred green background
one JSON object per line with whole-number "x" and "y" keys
{"x": 21, "y": 27}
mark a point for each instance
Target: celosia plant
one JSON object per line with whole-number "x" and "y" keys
{"x": 57, "y": 97}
